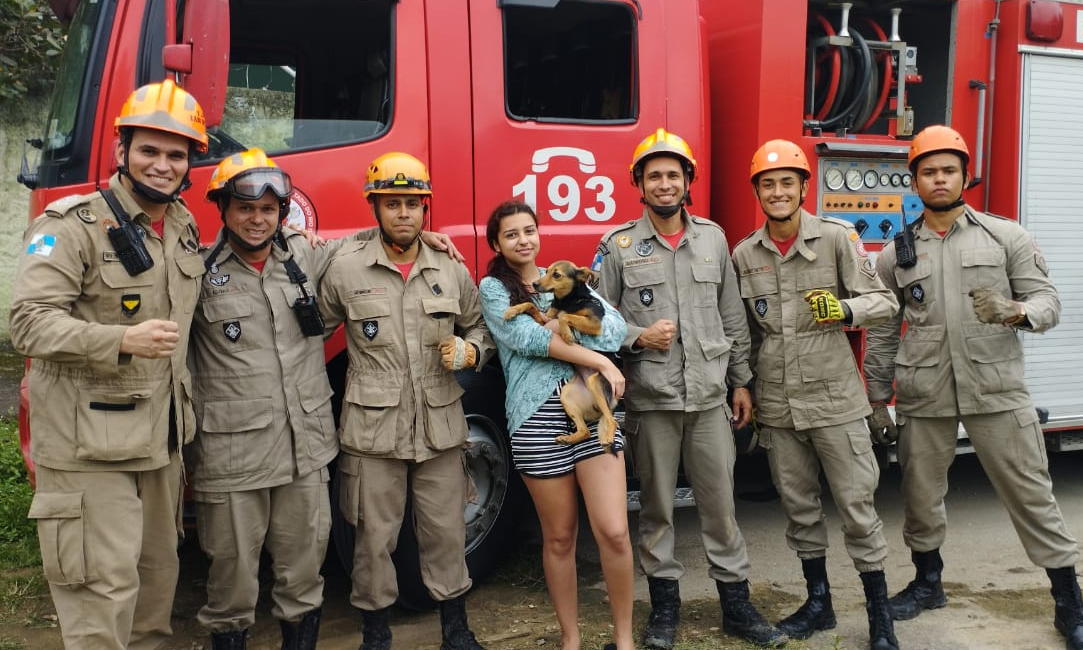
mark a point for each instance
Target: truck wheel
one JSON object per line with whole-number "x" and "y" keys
{"x": 491, "y": 521}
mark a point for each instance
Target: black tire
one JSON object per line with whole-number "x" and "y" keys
{"x": 491, "y": 522}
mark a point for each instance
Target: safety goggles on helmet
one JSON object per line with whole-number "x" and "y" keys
{"x": 251, "y": 184}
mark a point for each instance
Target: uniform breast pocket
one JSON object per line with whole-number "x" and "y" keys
{"x": 133, "y": 296}
{"x": 369, "y": 322}
{"x": 643, "y": 290}
{"x": 191, "y": 269}
{"x": 228, "y": 317}
{"x": 760, "y": 293}
{"x": 441, "y": 314}
{"x": 984, "y": 268}
{"x": 817, "y": 278}
{"x": 916, "y": 285}
{"x": 708, "y": 278}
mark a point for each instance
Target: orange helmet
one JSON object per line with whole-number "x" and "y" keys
{"x": 247, "y": 175}
{"x": 937, "y": 139}
{"x": 164, "y": 107}
{"x": 778, "y": 154}
{"x": 661, "y": 142}
{"x": 397, "y": 173}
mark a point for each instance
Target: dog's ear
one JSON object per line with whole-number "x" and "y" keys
{"x": 584, "y": 274}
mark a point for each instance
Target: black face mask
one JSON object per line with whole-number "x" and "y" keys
{"x": 664, "y": 211}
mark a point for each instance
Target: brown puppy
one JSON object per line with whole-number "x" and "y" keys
{"x": 588, "y": 396}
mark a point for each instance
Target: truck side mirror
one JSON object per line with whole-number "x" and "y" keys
{"x": 202, "y": 56}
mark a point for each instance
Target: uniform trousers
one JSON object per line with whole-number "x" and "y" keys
{"x": 704, "y": 440}
{"x": 292, "y": 520}
{"x": 1011, "y": 448}
{"x": 111, "y": 557}
{"x": 378, "y": 489}
{"x": 849, "y": 465}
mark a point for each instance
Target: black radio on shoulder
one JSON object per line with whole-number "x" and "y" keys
{"x": 126, "y": 239}
{"x": 308, "y": 316}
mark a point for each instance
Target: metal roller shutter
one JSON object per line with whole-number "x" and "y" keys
{"x": 1051, "y": 169}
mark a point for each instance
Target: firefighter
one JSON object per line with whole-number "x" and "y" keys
{"x": 412, "y": 317}
{"x": 671, "y": 276}
{"x": 803, "y": 278}
{"x": 967, "y": 284}
{"x": 103, "y": 302}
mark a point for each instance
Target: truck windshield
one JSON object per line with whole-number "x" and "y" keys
{"x": 72, "y": 82}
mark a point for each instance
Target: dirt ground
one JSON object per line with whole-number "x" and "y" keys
{"x": 996, "y": 597}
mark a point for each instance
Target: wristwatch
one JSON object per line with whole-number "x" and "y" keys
{"x": 1020, "y": 318}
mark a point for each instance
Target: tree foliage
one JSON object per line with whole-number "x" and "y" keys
{"x": 31, "y": 39}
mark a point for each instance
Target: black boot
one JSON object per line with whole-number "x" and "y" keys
{"x": 453, "y": 627}
{"x": 665, "y": 613}
{"x": 740, "y": 618}
{"x": 232, "y": 640}
{"x": 1068, "y": 613}
{"x": 376, "y": 629}
{"x": 816, "y": 613}
{"x": 925, "y": 591}
{"x": 301, "y": 635}
{"x": 881, "y": 627}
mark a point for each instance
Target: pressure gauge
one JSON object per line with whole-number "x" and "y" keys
{"x": 854, "y": 179}
{"x": 896, "y": 180}
{"x": 906, "y": 179}
{"x": 870, "y": 179}
{"x": 885, "y": 179}
{"x": 833, "y": 179}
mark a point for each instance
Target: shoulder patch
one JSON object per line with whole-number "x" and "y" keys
{"x": 64, "y": 205}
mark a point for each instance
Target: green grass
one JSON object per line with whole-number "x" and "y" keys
{"x": 18, "y": 535}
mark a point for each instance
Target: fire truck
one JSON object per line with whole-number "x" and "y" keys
{"x": 545, "y": 100}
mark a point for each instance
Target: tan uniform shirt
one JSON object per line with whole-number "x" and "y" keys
{"x": 949, "y": 363}
{"x": 93, "y": 408}
{"x": 400, "y": 401}
{"x": 262, "y": 398}
{"x": 806, "y": 374}
{"x": 695, "y": 287}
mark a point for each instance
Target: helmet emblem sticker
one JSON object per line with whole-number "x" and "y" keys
{"x": 644, "y": 248}
{"x": 646, "y": 296}
{"x": 129, "y": 304}
{"x": 219, "y": 280}
{"x": 232, "y": 330}
{"x": 370, "y": 329}
{"x": 917, "y": 293}
{"x": 761, "y": 307}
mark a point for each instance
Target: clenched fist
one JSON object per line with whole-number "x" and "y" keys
{"x": 882, "y": 428}
{"x": 457, "y": 353}
{"x": 825, "y": 307}
{"x": 992, "y": 307}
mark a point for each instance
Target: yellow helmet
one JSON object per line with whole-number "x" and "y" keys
{"x": 397, "y": 173}
{"x": 937, "y": 139}
{"x": 661, "y": 142}
{"x": 247, "y": 175}
{"x": 164, "y": 107}
{"x": 778, "y": 154}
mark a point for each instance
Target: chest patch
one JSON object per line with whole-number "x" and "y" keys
{"x": 917, "y": 293}
{"x": 219, "y": 280}
{"x": 761, "y": 307}
{"x": 644, "y": 248}
{"x": 646, "y": 296}
{"x": 370, "y": 329}
{"x": 129, "y": 304}
{"x": 232, "y": 330}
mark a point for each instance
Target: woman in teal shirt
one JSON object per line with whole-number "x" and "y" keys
{"x": 536, "y": 365}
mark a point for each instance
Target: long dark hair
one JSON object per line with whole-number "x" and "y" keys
{"x": 498, "y": 266}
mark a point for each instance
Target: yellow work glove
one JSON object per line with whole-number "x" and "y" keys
{"x": 825, "y": 307}
{"x": 457, "y": 353}
{"x": 992, "y": 307}
{"x": 882, "y": 428}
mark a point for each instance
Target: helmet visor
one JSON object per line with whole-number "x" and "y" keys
{"x": 250, "y": 184}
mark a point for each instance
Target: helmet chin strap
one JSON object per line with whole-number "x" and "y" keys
{"x": 666, "y": 211}
{"x": 235, "y": 239}
{"x": 393, "y": 245}
{"x": 149, "y": 193}
{"x": 947, "y": 208}
{"x": 789, "y": 216}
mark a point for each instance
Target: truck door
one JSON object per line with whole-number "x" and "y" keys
{"x": 561, "y": 95}
{"x": 1051, "y": 165}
